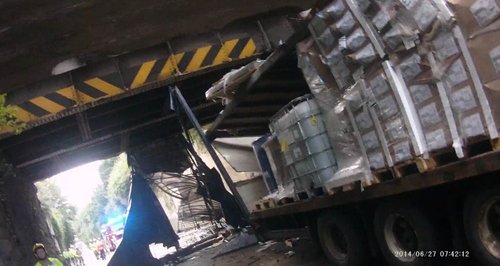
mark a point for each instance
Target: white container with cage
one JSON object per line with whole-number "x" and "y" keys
{"x": 305, "y": 145}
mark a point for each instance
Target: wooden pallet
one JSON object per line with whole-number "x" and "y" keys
{"x": 371, "y": 181}
{"x": 447, "y": 156}
{"x": 356, "y": 185}
{"x": 409, "y": 167}
{"x": 285, "y": 201}
{"x": 480, "y": 146}
{"x": 265, "y": 204}
{"x": 382, "y": 175}
{"x": 438, "y": 158}
{"x": 302, "y": 196}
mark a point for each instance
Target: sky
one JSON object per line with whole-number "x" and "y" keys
{"x": 78, "y": 184}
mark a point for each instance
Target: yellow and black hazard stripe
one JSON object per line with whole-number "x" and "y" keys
{"x": 99, "y": 87}
{"x": 86, "y": 91}
{"x": 51, "y": 103}
{"x": 216, "y": 54}
{"x": 151, "y": 71}
{"x": 189, "y": 61}
{"x": 92, "y": 89}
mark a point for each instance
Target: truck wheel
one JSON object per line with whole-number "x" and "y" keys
{"x": 341, "y": 238}
{"x": 402, "y": 230}
{"x": 482, "y": 225}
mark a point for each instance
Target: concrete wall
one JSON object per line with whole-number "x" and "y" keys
{"x": 22, "y": 222}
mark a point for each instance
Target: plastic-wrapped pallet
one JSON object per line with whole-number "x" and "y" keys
{"x": 338, "y": 31}
{"x": 400, "y": 22}
{"x": 305, "y": 145}
{"x": 373, "y": 143}
{"x": 485, "y": 49}
{"x": 317, "y": 75}
{"x": 474, "y": 15}
{"x": 352, "y": 164}
{"x": 394, "y": 115}
{"x": 479, "y": 21}
{"x": 432, "y": 104}
{"x": 452, "y": 64}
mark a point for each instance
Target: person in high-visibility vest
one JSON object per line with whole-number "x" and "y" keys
{"x": 42, "y": 257}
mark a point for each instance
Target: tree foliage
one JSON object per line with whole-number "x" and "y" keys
{"x": 105, "y": 169}
{"x": 92, "y": 216}
{"x": 59, "y": 212}
{"x": 110, "y": 199}
{"x": 119, "y": 182}
{"x": 8, "y": 117}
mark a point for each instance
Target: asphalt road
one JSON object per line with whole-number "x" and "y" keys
{"x": 304, "y": 252}
{"x": 90, "y": 259}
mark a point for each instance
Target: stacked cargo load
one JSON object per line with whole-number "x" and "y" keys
{"x": 401, "y": 86}
{"x": 363, "y": 124}
{"x": 478, "y": 37}
{"x": 396, "y": 116}
{"x": 431, "y": 103}
{"x": 340, "y": 30}
{"x": 397, "y": 108}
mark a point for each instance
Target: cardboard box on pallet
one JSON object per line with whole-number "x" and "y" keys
{"x": 430, "y": 101}
{"x": 485, "y": 50}
{"x": 340, "y": 30}
{"x": 398, "y": 23}
{"x": 395, "y": 114}
{"x": 371, "y": 142}
{"x": 435, "y": 116}
{"x": 453, "y": 65}
{"x": 474, "y": 15}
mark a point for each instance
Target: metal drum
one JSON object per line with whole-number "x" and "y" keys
{"x": 305, "y": 146}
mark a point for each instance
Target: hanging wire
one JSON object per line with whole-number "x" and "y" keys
{"x": 183, "y": 187}
{"x": 198, "y": 167}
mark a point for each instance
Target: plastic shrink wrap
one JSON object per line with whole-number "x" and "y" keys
{"x": 478, "y": 35}
{"x": 225, "y": 88}
{"x": 351, "y": 161}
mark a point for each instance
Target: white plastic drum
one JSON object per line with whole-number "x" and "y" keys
{"x": 318, "y": 143}
{"x": 324, "y": 159}
{"x": 326, "y": 174}
{"x": 305, "y": 145}
{"x": 312, "y": 126}
{"x": 306, "y": 109}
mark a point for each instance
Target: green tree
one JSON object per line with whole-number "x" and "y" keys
{"x": 92, "y": 216}
{"x": 59, "y": 212}
{"x": 119, "y": 183}
{"x": 105, "y": 169}
{"x": 8, "y": 117}
{"x": 110, "y": 199}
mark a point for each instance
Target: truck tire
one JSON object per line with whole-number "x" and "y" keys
{"x": 342, "y": 239}
{"x": 482, "y": 225}
{"x": 401, "y": 230}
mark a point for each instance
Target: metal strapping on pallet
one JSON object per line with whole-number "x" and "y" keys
{"x": 95, "y": 88}
{"x": 483, "y": 100}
